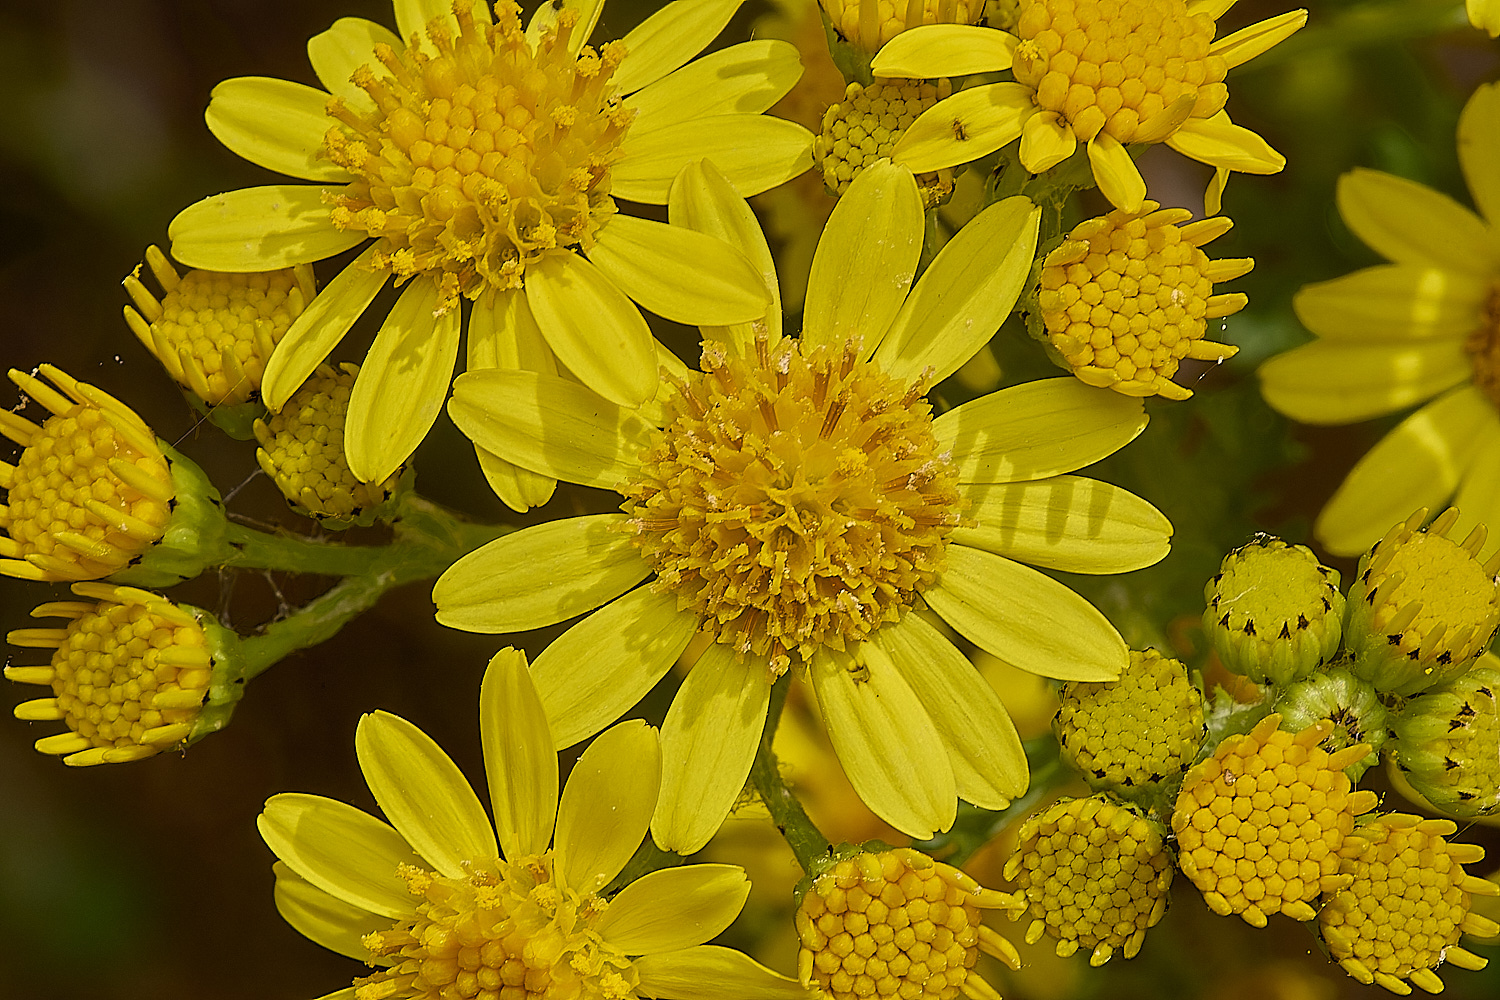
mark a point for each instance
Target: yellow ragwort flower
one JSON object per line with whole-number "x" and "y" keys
{"x": 866, "y": 125}
{"x": 302, "y": 450}
{"x": 129, "y": 674}
{"x": 214, "y": 331}
{"x": 92, "y": 490}
{"x": 1402, "y": 915}
{"x": 1096, "y": 874}
{"x": 482, "y": 161}
{"x": 1128, "y": 295}
{"x": 868, "y": 24}
{"x": 795, "y": 499}
{"x": 1107, "y": 73}
{"x": 1425, "y": 325}
{"x": 897, "y": 925}
{"x": 449, "y": 906}
{"x": 1260, "y": 823}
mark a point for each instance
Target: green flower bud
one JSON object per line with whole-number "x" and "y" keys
{"x": 1447, "y": 742}
{"x": 1344, "y": 700}
{"x": 1274, "y": 612}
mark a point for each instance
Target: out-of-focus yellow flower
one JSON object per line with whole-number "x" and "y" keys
{"x": 868, "y": 24}
{"x": 1485, "y": 15}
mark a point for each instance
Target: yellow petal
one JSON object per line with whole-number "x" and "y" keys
{"x": 540, "y": 575}
{"x": 989, "y": 766}
{"x": 1337, "y": 382}
{"x": 347, "y": 853}
{"x": 259, "y": 229}
{"x": 702, "y": 199}
{"x": 1115, "y": 173}
{"x": 674, "y": 908}
{"x": 964, "y": 295}
{"x": 320, "y": 328}
{"x": 1027, "y": 619}
{"x": 755, "y": 152}
{"x": 274, "y": 124}
{"x": 606, "y": 805}
{"x": 742, "y": 79}
{"x": 324, "y": 919}
{"x": 400, "y": 388}
{"x": 970, "y": 124}
{"x": 1045, "y": 142}
{"x": 678, "y": 273}
{"x": 413, "y": 17}
{"x": 866, "y": 259}
{"x": 708, "y": 743}
{"x": 520, "y": 763}
{"x": 423, "y": 793}
{"x": 1418, "y": 464}
{"x": 669, "y": 38}
{"x": 1485, "y": 15}
{"x": 1219, "y": 142}
{"x": 546, "y": 16}
{"x": 885, "y": 740}
{"x": 519, "y": 489}
{"x": 338, "y": 52}
{"x": 1393, "y": 302}
{"x": 1247, "y": 43}
{"x": 934, "y": 50}
{"x": 712, "y": 972}
{"x": 1410, "y": 223}
{"x": 595, "y": 671}
{"x": 592, "y": 327}
{"x": 1478, "y": 499}
{"x": 1479, "y": 143}
{"x": 1066, "y": 522}
{"x": 549, "y": 425}
{"x": 502, "y": 333}
{"x": 1037, "y": 429}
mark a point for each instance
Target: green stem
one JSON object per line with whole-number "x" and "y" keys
{"x": 252, "y": 549}
{"x": 805, "y": 839}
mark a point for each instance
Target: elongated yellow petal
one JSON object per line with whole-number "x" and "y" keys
{"x": 702, "y": 199}
{"x": 1066, "y": 522}
{"x": 1221, "y": 143}
{"x": 933, "y": 50}
{"x": 1046, "y": 140}
{"x": 606, "y": 805}
{"x": 259, "y": 229}
{"x": 1393, "y": 302}
{"x": 276, "y": 124}
{"x": 989, "y": 766}
{"x": 674, "y": 908}
{"x": 345, "y": 852}
{"x": 866, "y": 259}
{"x": 669, "y": 38}
{"x": 401, "y": 386}
{"x": 1337, "y": 382}
{"x": 1116, "y": 174}
{"x": 1479, "y": 144}
{"x": 592, "y": 327}
{"x": 322, "y": 918}
{"x": 1247, "y": 43}
{"x": 712, "y": 972}
{"x": 546, "y": 16}
{"x": 338, "y": 52}
{"x": 1037, "y": 429}
{"x": 964, "y": 295}
{"x": 885, "y": 740}
{"x": 540, "y": 575}
{"x": 755, "y": 152}
{"x": 1027, "y": 619}
{"x": 520, "y": 763}
{"x": 683, "y": 275}
{"x": 1410, "y": 223}
{"x": 1478, "y": 499}
{"x": 1484, "y": 15}
{"x": 742, "y": 79}
{"x": 595, "y": 671}
{"x": 549, "y": 425}
{"x": 708, "y": 743}
{"x": 1418, "y": 464}
{"x": 970, "y": 124}
{"x": 502, "y": 333}
{"x": 423, "y": 793}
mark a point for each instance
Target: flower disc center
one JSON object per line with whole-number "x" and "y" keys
{"x": 1483, "y": 347}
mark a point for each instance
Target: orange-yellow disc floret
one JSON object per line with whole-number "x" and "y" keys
{"x": 1260, "y": 823}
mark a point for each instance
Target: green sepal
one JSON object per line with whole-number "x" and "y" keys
{"x": 195, "y": 536}
{"x": 235, "y": 419}
{"x": 1349, "y": 703}
{"x": 1447, "y": 743}
{"x": 852, "y": 62}
{"x": 826, "y": 863}
{"x": 226, "y": 684}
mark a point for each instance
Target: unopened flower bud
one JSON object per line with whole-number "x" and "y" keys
{"x": 1447, "y": 742}
{"x": 1350, "y": 704}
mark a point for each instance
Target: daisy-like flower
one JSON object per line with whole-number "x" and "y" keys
{"x": 481, "y": 161}
{"x": 1107, "y": 73}
{"x": 796, "y": 500}
{"x": 1424, "y": 327}
{"x": 448, "y": 906}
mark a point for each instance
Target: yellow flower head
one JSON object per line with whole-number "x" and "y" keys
{"x": 1106, "y": 73}
{"x": 897, "y": 925}
{"x": 1096, "y": 873}
{"x": 794, "y": 498}
{"x": 479, "y": 160}
{"x": 449, "y": 906}
{"x": 1401, "y": 916}
{"x": 91, "y": 490}
{"x": 866, "y": 125}
{"x": 1260, "y": 823}
{"x": 1423, "y": 327}
{"x": 868, "y": 24}
{"x": 1127, "y": 296}
{"x": 129, "y": 674}
{"x": 302, "y": 450}
{"x": 214, "y": 331}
